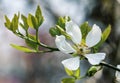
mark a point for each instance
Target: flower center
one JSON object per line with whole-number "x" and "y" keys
{"x": 82, "y": 49}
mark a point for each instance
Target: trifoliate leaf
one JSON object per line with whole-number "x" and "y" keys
{"x": 68, "y": 80}
{"x": 22, "y": 48}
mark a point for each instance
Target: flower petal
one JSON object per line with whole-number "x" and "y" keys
{"x": 94, "y": 36}
{"x": 117, "y": 74}
{"x": 96, "y": 58}
{"x": 71, "y": 63}
{"x": 63, "y": 45}
{"x": 73, "y": 30}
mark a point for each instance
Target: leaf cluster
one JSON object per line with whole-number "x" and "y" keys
{"x": 31, "y": 21}
{"x": 59, "y": 28}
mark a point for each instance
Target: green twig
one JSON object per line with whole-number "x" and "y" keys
{"x": 39, "y": 43}
{"x": 37, "y": 39}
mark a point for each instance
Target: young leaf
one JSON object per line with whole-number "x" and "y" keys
{"x": 68, "y": 80}
{"x": 25, "y": 25}
{"x": 62, "y": 20}
{"x": 92, "y": 70}
{"x": 62, "y": 31}
{"x": 57, "y": 30}
{"x": 85, "y": 28}
{"x": 54, "y": 31}
{"x": 60, "y": 27}
{"x": 32, "y": 21}
{"x": 22, "y": 48}
{"x": 77, "y": 73}
{"x": 15, "y": 23}
{"x": 69, "y": 72}
{"x": 38, "y": 15}
{"x": 7, "y": 23}
{"x": 106, "y": 33}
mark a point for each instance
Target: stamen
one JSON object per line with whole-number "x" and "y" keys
{"x": 82, "y": 49}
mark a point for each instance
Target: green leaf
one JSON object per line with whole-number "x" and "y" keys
{"x": 7, "y": 23}
{"x": 62, "y": 20}
{"x": 31, "y": 44}
{"x": 68, "y": 80}
{"x": 77, "y": 73}
{"x": 22, "y": 48}
{"x": 92, "y": 70}
{"x": 32, "y": 21}
{"x": 85, "y": 28}
{"x": 106, "y": 33}
{"x": 14, "y": 24}
{"x": 54, "y": 31}
{"x": 62, "y": 31}
{"x": 69, "y": 72}
{"x": 38, "y": 15}
{"x": 59, "y": 29}
{"x": 25, "y": 25}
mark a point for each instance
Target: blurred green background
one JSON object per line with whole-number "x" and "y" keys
{"x": 19, "y": 67}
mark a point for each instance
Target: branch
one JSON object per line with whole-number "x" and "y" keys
{"x": 109, "y": 66}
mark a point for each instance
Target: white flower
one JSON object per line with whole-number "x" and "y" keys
{"x": 117, "y": 75}
{"x": 93, "y": 37}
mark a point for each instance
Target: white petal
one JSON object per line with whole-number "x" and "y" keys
{"x": 71, "y": 63}
{"x": 63, "y": 45}
{"x": 96, "y": 58}
{"x": 94, "y": 36}
{"x": 73, "y": 30}
{"x": 117, "y": 74}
